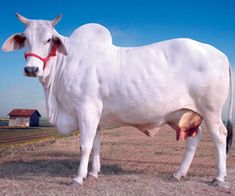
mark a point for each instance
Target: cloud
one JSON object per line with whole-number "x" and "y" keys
{"x": 125, "y": 37}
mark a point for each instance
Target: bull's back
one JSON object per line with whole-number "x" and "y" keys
{"x": 151, "y": 81}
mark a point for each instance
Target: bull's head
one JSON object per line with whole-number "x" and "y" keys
{"x": 40, "y": 41}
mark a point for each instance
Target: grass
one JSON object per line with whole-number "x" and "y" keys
{"x": 13, "y": 137}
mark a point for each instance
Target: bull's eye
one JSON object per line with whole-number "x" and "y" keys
{"x": 48, "y": 41}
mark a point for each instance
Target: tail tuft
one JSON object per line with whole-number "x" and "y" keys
{"x": 229, "y": 127}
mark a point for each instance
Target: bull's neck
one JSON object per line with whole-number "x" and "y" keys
{"x": 54, "y": 67}
{"x": 52, "y": 79}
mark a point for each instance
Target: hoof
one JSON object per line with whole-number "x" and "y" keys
{"x": 219, "y": 183}
{"x": 72, "y": 182}
{"x": 93, "y": 174}
{"x": 77, "y": 181}
{"x": 179, "y": 177}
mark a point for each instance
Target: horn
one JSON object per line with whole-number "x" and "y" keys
{"x": 56, "y": 20}
{"x": 22, "y": 19}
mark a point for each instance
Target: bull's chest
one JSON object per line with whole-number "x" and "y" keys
{"x": 66, "y": 100}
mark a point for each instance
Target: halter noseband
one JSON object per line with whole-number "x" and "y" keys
{"x": 44, "y": 60}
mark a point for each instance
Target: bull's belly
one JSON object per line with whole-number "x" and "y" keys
{"x": 110, "y": 120}
{"x": 139, "y": 110}
{"x": 182, "y": 120}
{"x": 131, "y": 116}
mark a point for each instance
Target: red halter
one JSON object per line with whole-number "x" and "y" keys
{"x": 44, "y": 60}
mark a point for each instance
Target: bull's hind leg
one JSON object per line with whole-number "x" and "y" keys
{"x": 96, "y": 156}
{"x": 219, "y": 133}
{"x": 191, "y": 146}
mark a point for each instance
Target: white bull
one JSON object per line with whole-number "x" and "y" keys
{"x": 92, "y": 83}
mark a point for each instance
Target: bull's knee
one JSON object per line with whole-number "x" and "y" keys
{"x": 85, "y": 149}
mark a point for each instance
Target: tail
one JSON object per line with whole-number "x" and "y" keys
{"x": 229, "y": 125}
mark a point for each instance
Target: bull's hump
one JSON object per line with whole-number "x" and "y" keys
{"x": 94, "y": 33}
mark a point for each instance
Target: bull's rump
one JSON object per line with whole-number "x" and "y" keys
{"x": 147, "y": 83}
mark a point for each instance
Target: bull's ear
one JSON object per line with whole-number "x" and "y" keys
{"x": 59, "y": 45}
{"x": 14, "y": 42}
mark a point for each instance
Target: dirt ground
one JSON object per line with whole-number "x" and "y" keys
{"x": 132, "y": 164}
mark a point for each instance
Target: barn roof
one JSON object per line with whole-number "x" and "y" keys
{"x": 23, "y": 112}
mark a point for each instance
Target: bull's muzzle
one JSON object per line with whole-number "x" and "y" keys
{"x": 31, "y": 71}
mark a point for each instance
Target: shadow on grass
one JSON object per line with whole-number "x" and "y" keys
{"x": 52, "y": 168}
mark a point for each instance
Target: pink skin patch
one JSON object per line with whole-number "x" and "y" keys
{"x": 185, "y": 122}
{"x": 185, "y": 134}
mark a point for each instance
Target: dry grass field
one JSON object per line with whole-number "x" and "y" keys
{"x": 12, "y": 136}
{"x": 132, "y": 164}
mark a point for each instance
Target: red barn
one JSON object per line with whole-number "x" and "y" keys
{"x": 24, "y": 118}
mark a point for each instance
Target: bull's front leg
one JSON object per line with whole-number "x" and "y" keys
{"x": 89, "y": 117}
{"x": 96, "y": 156}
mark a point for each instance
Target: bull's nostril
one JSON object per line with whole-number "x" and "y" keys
{"x": 26, "y": 70}
{"x": 35, "y": 69}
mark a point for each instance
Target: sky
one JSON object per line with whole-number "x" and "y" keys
{"x": 132, "y": 23}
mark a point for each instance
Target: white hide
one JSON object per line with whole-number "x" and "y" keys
{"x": 99, "y": 84}
{"x": 137, "y": 85}
{"x": 140, "y": 85}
